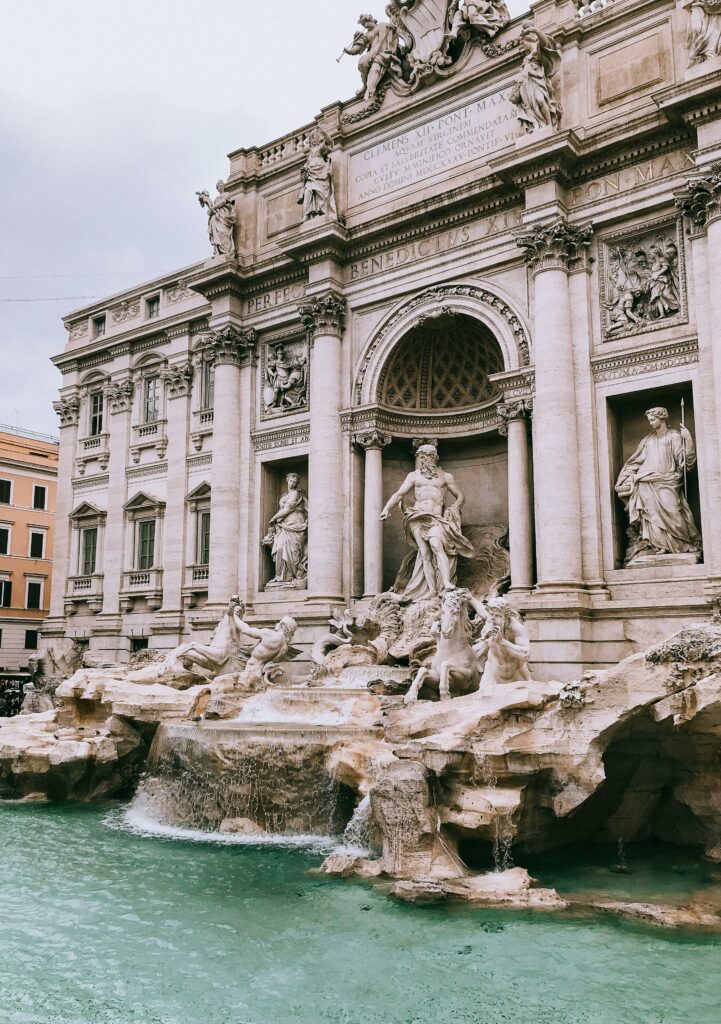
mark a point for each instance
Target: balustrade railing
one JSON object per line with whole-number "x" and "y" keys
{"x": 588, "y": 7}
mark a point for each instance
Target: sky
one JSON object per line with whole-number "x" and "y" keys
{"x": 113, "y": 113}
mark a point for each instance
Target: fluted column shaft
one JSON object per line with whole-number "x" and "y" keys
{"x": 68, "y": 409}
{"x": 520, "y": 494}
{"x": 323, "y": 316}
{"x": 552, "y": 250}
{"x": 373, "y": 445}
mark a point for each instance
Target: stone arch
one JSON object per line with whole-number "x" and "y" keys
{"x": 475, "y": 302}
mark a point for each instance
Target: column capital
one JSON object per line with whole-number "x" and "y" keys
{"x": 323, "y": 314}
{"x": 700, "y": 200}
{"x": 231, "y": 345}
{"x": 372, "y": 439}
{"x": 68, "y": 409}
{"x": 178, "y": 379}
{"x": 555, "y": 245}
{"x": 510, "y": 412}
{"x": 119, "y": 394}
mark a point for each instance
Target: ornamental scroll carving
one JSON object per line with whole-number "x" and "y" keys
{"x": 178, "y": 379}
{"x": 700, "y": 200}
{"x": 119, "y": 395}
{"x": 704, "y": 30}
{"x": 78, "y": 331}
{"x": 512, "y": 411}
{"x": 555, "y": 245}
{"x": 127, "y": 310}
{"x": 178, "y": 293}
{"x": 323, "y": 315}
{"x": 643, "y": 281}
{"x": 68, "y": 410}
{"x": 230, "y": 344}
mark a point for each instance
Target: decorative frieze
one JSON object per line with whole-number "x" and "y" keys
{"x": 285, "y": 378}
{"x": 68, "y": 410}
{"x": 323, "y": 315}
{"x": 286, "y": 437}
{"x": 78, "y": 331}
{"x": 648, "y": 360}
{"x": 643, "y": 280}
{"x": 178, "y": 293}
{"x": 128, "y": 310}
{"x": 178, "y": 379}
{"x": 510, "y": 411}
{"x": 700, "y": 200}
{"x": 557, "y": 245}
{"x": 119, "y": 395}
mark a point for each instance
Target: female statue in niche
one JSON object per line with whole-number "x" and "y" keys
{"x": 221, "y": 220}
{"x": 651, "y": 486}
{"x": 534, "y": 93}
{"x": 316, "y": 193}
{"x": 287, "y": 537}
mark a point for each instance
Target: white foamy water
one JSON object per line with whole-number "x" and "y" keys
{"x": 138, "y": 822}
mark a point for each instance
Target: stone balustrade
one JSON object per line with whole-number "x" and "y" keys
{"x": 588, "y": 7}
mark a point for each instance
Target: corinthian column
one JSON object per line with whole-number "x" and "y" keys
{"x": 373, "y": 444}
{"x": 552, "y": 250}
{"x": 515, "y": 416}
{"x": 232, "y": 351}
{"x": 118, "y": 403}
{"x": 324, "y": 317}
{"x": 178, "y": 381}
{"x": 68, "y": 410}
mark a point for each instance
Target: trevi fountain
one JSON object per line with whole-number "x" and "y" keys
{"x": 434, "y": 732}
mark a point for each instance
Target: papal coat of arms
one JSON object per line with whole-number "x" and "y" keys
{"x": 422, "y": 40}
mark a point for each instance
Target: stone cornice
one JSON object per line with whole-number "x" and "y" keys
{"x": 323, "y": 315}
{"x": 309, "y": 244}
{"x": 555, "y": 245}
{"x": 376, "y": 418}
{"x": 283, "y": 437}
{"x": 220, "y": 276}
{"x": 550, "y": 158}
{"x": 649, "y": 359}
{"x": 700, "y": 200}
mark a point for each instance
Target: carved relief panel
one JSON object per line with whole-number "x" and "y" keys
{"x": 643, "y": 280}
{"x": 285, "y": 378}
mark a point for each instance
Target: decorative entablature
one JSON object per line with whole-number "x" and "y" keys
{"x": 284, "y": 437}
{"x": 119, "y": 394}
{"x": 651, "y": 359}
{"x": 375, "y": 419}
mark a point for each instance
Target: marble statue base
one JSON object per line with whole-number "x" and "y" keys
{"x": 644, "y": 561}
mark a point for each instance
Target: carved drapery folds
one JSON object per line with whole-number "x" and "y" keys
{"x": 68, "y": 410}
{"x": 700, "y": 201}
{"x": 323, "y": 315}
{"x": 372, "y": 439}
{"x": 535, "y": 91}
{"x": 317, "y": 193}
{"x": 514, "y": 410}
{"x": 704, "y": 30}
{"x": 555, "y": 246}
{"x": 230, "y": 344}
{"x": 119, "y": 395}
{"x": 178, "y": 379}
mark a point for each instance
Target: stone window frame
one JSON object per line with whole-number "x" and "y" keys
{"x": 624, "y": 236}
{"x": 8, "y": 528}
{"x": 39, "y": 531}
{"x": 31, "y": 579}
{"x": 149, "y": 433}
{"x": 141, "y": 508}
{"x": 87, "y": 516}
{"x": 198, "y": 502}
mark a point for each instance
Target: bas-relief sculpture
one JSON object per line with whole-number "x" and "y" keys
{"x": 643, "y": 287}
{"x": 432, "y": 527}
{"x": 287, "y": 538}
{"x": 651, "y": 486}
{"x": 317, "y": 193}
{"x": 704, "y": 30}
{"x": 534, "y": 92}
{"x": 221, "y": 220}
{"x": 286, "y": 378}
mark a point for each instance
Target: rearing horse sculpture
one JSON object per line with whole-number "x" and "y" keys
{"x": 455, "y": 662}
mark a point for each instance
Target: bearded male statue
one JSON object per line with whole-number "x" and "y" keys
{"x": 431, "y": 526}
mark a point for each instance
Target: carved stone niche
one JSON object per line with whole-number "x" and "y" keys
{"x": 284, "y": 545}
{"x": 643, "y": 279}
{"x": 285, "y": 384}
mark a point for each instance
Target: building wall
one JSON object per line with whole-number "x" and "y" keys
{"x": 27, "y": 462}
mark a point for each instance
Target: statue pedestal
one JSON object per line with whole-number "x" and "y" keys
{"x": 710, "y": 66}
{"x": 644, "y": 561}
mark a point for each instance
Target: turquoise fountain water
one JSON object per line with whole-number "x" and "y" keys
{"x": 102, "y": 924}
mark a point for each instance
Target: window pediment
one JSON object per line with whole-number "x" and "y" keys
{"x": 86, "y": 510}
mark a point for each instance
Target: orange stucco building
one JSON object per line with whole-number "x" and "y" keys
{"x": 28, "y": 482}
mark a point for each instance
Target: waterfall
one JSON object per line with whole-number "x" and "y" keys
{"x": 484, "y": 775}
{"x": 357, "y": 836}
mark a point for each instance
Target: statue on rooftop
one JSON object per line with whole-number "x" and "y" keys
{"x": 704, "y": 30}
{"x": 432, "y": 528}
{"x": 317, "y": 195}
{"x": 534, "y": 91}
{"x": 485, "y": 16}
{"x": 221, "y": 220}
{"x": 377, "y": 44}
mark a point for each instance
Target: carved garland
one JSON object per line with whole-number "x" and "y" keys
{"x": 437, "y": 293}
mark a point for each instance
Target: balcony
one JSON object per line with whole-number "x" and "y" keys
{"x": 84, "y": 590}
{"x": 202, "y": 427}
{"x": 93, "y": 448}
{"x": 195, "y": 584}
{"x": 149, "y": 436}
{"x": 146, "y": 584}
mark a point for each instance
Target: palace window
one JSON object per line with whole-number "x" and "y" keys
{"x": 151, "y": 399}
{"x": 88, "y": 550}
{"x": 5, "y": 540}
{"x": 31, "y": 639}
{"x": 34, "y": 595}
{"x": 146, "y": 544}
{"x": 6, "y": 492}
{"x": 152, "y": 307}
{"x": 6, "y": 592}
{"x": 96, "y": 413}
{"x": 207, "y": 397}
{"x": 204, "y": 538}
{"x": 37, "y": 544}
{"x": 98, "y": 326}
{"x": 40, "y": 498}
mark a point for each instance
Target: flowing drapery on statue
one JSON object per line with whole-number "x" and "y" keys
{"x": 433, "y": 529}
{"x": 287, "y": 537}
{"x": 651, "y": 485}
{"x": 317, "y": 195}
{"x": 221, "y": 220}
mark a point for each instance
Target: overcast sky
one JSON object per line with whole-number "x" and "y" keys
{"x": 112, "y": 114}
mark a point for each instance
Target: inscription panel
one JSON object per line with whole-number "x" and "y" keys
{"x": 445, "y": 143}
